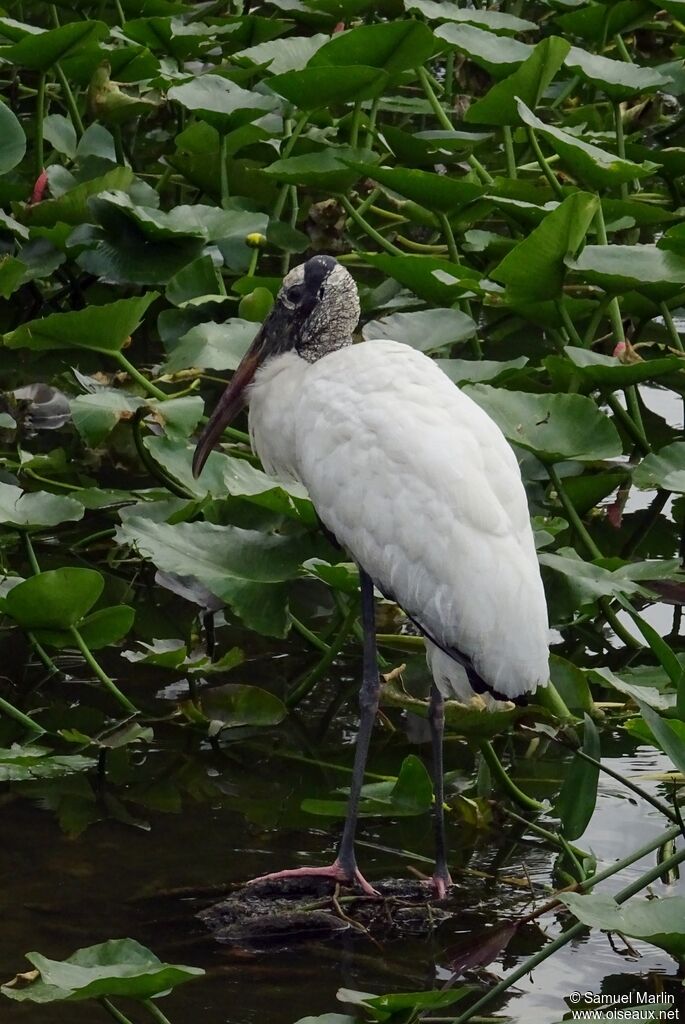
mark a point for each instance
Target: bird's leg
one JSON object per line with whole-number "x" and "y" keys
{"x": 368, "y": 706}
{"x": 436, "y": 719}
{"x": 344, "y": 869}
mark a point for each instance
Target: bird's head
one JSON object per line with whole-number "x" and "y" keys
{"x": 316, "y": 312}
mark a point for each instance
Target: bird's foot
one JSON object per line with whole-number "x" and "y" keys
{"x": 440, "y": 883}
{"x": 334, "y": 871}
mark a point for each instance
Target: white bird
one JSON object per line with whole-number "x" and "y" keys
{"x": 418, "y": 484}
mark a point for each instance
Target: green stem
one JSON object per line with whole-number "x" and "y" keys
{"x": 525, "y": 968}
{"x": 509, "y": 151}
{"x": 549, "y": 697}
{"x": 627, "y": 423}
{"x": 155, "y": 1012}
{"x": 367, "y": 228}
{"x": 309, "y": 635}
{"x": 223, "y": 162}
{"x": 546, "y": 169}
{"x": 579, "y": 526}
{"x": 545, "y": 834}
{"x": 137, "y": 376}
{"x": 311, "y": 679}
{"x": 164, "y": 179}
{"x": 295, "y": 134}
{"x": 69, "y": 100}
{"x": 671, "y": 327}
{"x": 620, "y": 143}
{"x": 112, "y": 1010}
{"x": 449, "y": 238}
{"x": 570, "y": 510}
{"x": 31, "y": 554}
{"x": 632, "y": 786}
{"x": 505, "y": 780}
{"x": 569, "y": 324}
{"x": 354, "y": 128}
{"x": 633, "y": 404}
{"x": 19, "y": 716}
{"x": 614, "y": 307}
{"x": 120, "y": 12}
{"x": 446, "y": 123}
{"x": 100, "y": 672}
{"x": 40, "y": 115}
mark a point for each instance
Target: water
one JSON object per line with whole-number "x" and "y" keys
{"x": 117, "y": 880}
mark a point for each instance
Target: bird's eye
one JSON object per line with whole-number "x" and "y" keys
{"x": 294, "y": 294}
{"x": 320, "y": 293}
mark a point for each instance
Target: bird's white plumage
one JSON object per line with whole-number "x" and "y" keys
{"x": 423, "y": 490}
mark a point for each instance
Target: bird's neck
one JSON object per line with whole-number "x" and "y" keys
{"x": 325, "y": 343}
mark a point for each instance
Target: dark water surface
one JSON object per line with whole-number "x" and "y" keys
{"x": 116, "y": 880}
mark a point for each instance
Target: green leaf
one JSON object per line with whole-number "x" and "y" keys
{"x": 617, "y": 78}
{"x": 12, "y": 273}
{"x": 314, "y": 87}
{"x": 221, "y": 102}
{"x": 578, "y": 584}
{"x": 328, "y": 169}
{"x": 31, "y": 763}
{"x": 281, "y": 55}
{"x": 72, "y": 207}
{"x": 494, "y": 21}
{"x": 38, "y": 509}
{"x": 56, "y": 599}
{"x": 497, "y": 54}
{"x": 595, "y": 370}
{"x": 527, "y": 83}
{"x": 595, "y": 167}
{"x": 100, "y": 629}
{"x": 534, "y": 270}
{"x": 576, "y": 802}
{"x": 394, "y": 46}
{"x": 119, "y": 967}
{"x": 478, "y": 371}
{"x": 197, "y": 279}
{"x": 659, "y": 921}
{"x": 12, "y": 140}
{"x": 212, "y": 346}
{"x": 621, "y": 268}
{"x": 670, "y": 735}
{"x": 41, "y": 52}
{"x": 664, "y": 469}
{"x": 411, "y": 793}
{"x": 425, "y": 330}
{"x": 61, "y": 134}
{"x": 555, "y": 427}
{"x": 434, "y": 191}
{"x": 98, "y": 328}
{"x": 433, "y": 279}
{"x": 96, "y": 415}
{"x": 235, "y": 704}
{"x": 245, "y": 568}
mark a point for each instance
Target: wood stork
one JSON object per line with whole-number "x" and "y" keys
{"x": 421, "y": 488}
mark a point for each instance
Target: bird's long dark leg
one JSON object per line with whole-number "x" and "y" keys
{"x": 344, "y": 868}
{"x": 368, "y": 706}
{"x": 436, "y": 719}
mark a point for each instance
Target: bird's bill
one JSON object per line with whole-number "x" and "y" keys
{"x": 230, "y": 403}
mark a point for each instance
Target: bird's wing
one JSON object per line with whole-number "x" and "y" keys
{"x": 421, "y": 487}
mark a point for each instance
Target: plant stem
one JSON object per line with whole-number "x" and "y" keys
{"x": 19, "y": 716}
{"x": 69, "y": 100}
{"x": 137, "y": 376}
{"x": 569, "y": 324}
{"x": 40, "y": 114}
{"x": 500, "y": 775}
{"x": 525, "y": 968}
{"x": 309, "y": 635}
{"x": 223, "y": 165}
{"x": 449, "y": 238}
{"x": 155, "y": 1012}
{"x": 671, "y": 327}
{"x": 100, "y": 672}
{"x": 620, "y": 143}
{"x": 367, "y": 228}
{"x": 509, "y": 151}
{"x": 31, "y": 554}
{"x": 444, "y": 120}
{"x": 311, "y": 679}
{"x": 632, "y": 786}
{"x": 626, "y": 421}
{"x": 112, "y": 1010}
{"x": 354, "y": 128}
{"x": 294, "y": 135}
{"x": 546, "y": 169}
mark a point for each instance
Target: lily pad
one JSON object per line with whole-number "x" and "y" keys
{"x": 426, "y": 330}
{"x": 98, "y": 328}
{"x": 659, "y": 921}
{"x": 119, "y": 967}
{"x": 36, "y": 510}
{"x": 555, "y": 427}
